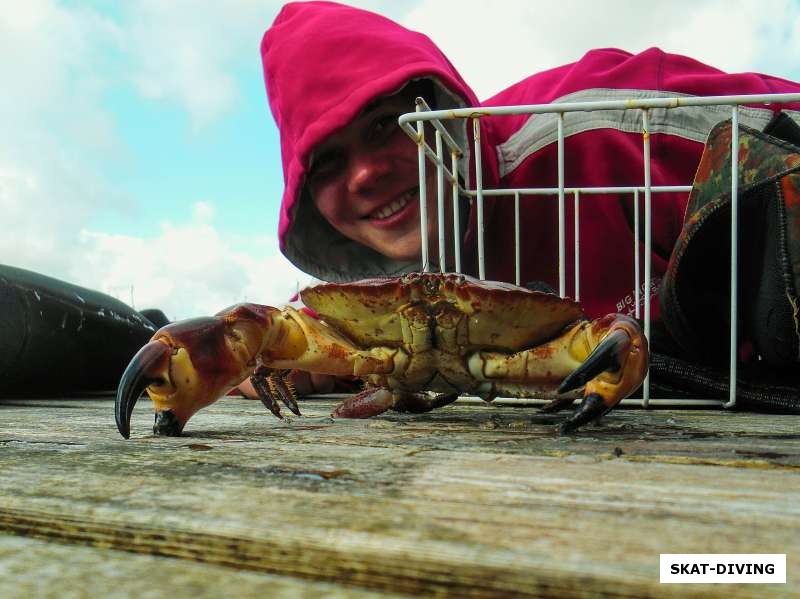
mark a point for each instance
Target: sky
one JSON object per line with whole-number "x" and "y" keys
{"x": 138, "y": 156}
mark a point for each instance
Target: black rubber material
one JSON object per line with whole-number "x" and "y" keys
{"x": 57, "y": 338}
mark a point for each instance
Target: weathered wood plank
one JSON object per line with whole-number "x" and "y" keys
{"x": 40, "y": 570}
{"x": 465, "y": 501}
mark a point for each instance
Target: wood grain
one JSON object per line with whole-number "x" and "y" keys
{"x": 467, "y": 501}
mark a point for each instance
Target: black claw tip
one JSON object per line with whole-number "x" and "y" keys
{"x": 290, "y": 403}
{"x": 166, "y": 424}
{"x": 134, "y": 381}
{"x": 591, "y": 408}
{"x": 604, "y": 357}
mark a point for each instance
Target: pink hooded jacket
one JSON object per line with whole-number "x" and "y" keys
{"x": 323, "y": 62}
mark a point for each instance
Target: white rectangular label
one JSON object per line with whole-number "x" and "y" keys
{"x": 723, "y": 567}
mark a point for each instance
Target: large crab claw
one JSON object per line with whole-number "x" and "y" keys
{"x": 189, "y": 365}
{"x": 615, "y": 366}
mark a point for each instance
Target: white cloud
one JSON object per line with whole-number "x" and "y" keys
{"x": 190, "y": 52}
{"x": 187, "y": 269}
{"x": 54, "y": 131}
{"x": 51, "y": 55}
{"x": 203, "y": 211}
{"x": 496, "y": 45}
{"x": 58, "y": 141}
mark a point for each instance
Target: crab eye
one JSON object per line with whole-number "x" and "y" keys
{"x": 431, "y": 285}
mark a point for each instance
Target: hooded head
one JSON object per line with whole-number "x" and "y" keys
{"x": 323, "y": 64}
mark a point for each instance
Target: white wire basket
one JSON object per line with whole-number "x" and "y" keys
{"x": 414, "y": 124}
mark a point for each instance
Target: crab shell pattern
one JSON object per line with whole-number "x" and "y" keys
{"x": 418, "y": 341}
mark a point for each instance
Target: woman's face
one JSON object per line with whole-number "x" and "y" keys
{"x": 364, "y": 180}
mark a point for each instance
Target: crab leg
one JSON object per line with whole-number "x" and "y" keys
{"x": 607, "y": 357}
{"x": 271, "y": 386}
{"x": 373, "y": 401}
{"x": 365, "y": 404}
{"x": 188, "y": 365}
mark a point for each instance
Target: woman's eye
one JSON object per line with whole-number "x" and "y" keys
{"x": 324, "y": 166}
{"x": 385, "y": 125}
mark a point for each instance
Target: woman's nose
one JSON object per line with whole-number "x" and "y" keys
{"x": 366, "y": 171}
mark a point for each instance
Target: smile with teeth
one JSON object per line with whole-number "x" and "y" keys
{"x": 394, "y": 206}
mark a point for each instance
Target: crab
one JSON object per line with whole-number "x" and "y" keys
{"x": 418, "y": 341}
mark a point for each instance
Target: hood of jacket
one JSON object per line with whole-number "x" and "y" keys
{"x": 323, "y": 63}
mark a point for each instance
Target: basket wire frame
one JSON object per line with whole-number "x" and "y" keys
{"x": 424, "y": 115}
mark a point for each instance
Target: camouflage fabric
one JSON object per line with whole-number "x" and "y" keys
{"x": 790, "y": 187}
{"x": 695, "y": 293}
{"x": 762, "y": 159}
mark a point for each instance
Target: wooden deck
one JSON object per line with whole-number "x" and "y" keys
{"x": 466, "y": 501}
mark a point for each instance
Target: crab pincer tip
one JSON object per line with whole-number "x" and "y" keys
{"x": 136, "y": 378}
{"x": 591, "y": 408}
{"x": 604, "y": 357}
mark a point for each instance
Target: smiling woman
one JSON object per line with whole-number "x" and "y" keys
{"x": 364, "y": 180}
{"x": 338, "y": 78}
